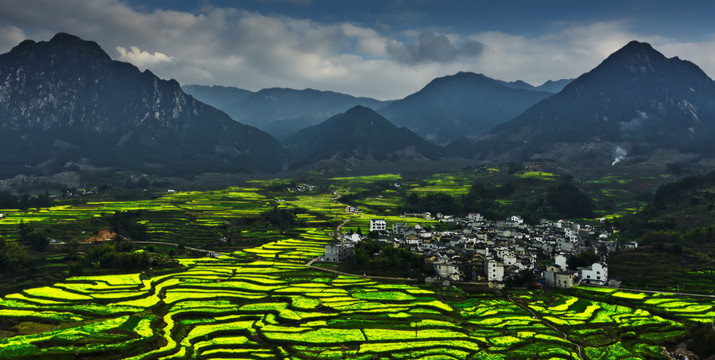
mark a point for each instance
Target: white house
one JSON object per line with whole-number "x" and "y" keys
{"x": 564, "y": 245}
{"x": 494, "y": 270}
{"x": 378, "y": 225}
{"x": 447, "y": 270}
{"x": 549, "y": 279}
{"x": 354, "y": 237}
{"x": 565, "y": 279}
{"x": 560, "y": 261}
{"x": 474, "y": 216}
{"x": 596, "y": 274}
{"x": 554, "y": 277}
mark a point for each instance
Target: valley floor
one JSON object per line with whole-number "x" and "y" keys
{"x": 263, "y": 301}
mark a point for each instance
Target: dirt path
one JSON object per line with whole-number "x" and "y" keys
{"x": 547, "y": 323}
{"x": 338, "y": 229}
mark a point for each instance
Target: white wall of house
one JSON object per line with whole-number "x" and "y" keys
{"x": 564, "y": 279}
{"x": 378, "y": 225}
{"x": 494, "y": 270}
{"x": 560, "y": 261}
{"x": 596, "y": 274}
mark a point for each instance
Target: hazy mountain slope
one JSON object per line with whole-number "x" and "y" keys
{"x": 636, "y": 98}
{"x": 66, "y": 102}
{"x": 359, "y": 134}
{"x": 279, "y": 111}
{"x": 464, "y": 104}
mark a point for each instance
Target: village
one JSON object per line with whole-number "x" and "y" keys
{"x": 479, "y": 250}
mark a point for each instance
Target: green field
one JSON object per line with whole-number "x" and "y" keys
{"x": 262, "y": 301}
{"x": 223, "y": 308}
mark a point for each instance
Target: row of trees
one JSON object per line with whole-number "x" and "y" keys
{"x": 563, "y": 199}
{"x": 24, "y": 201}
{"x": 279, "y": 218}
{"x": 372, "y": 257}
{"x": 14, "y": 258}
{"x": 118, "y": 254}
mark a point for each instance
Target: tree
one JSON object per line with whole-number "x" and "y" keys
{"x": 123, "y": 223}
{"x": 570, "y": 201}
{"x": 13, "y": 257}
{"x": 37, "y": 240}
{"x": 582, "y": 260}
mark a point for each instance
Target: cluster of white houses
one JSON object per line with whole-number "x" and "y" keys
{"x": 488, "y": 251}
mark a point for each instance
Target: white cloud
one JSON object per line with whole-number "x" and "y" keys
{"x": 253, "y": 51}
{"x": 141, "y": 59}
{"x": 700, "y": 53}
{"x": 432, "y": 47}
{"x": 10, "y": 36}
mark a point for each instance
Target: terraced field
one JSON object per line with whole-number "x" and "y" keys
{"x": 264, "y": 302}
{"x": 224, "y": 308}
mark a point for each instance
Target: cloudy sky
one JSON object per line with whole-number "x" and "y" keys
{"x": 385, "y": 49}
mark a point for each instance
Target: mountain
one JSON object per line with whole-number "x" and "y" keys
{"x": 279, "y": 111}
{"x": 549, "y": 86}
{"x": 464, "y": 104}
{"x": 359, "y": 134}
{"x": 635, "y": 101}
{"x": 554, "y": 86}
{"x": 67, "y": 103}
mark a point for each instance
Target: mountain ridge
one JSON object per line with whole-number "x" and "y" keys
{"x": 637, "y": 99}
{"x": 280, "y": 111}
{"x": 463, "y": 104}
{"x": 66, "y": 101}
{"x": 359, "y": 134}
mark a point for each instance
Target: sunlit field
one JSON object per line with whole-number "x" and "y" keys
{"x": 264, "y": 301}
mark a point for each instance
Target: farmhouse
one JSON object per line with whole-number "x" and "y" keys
{"x": 447, "y": 270}
{"x": 378, "y": 225}
{"x": 596, "y": 274}
{"x": 565, "y": 279}
{"x": 493, "y": 269}
{"x": 338, "y": 252}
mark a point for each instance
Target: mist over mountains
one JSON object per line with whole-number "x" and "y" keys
{"x": 464, "y": 104}
{"x": 279, "y": 111}
{"x": 65, "y": 105}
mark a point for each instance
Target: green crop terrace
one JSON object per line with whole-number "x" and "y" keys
{"x": 264, "y": 302}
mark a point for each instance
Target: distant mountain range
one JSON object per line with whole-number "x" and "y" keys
{"x": 636, "y": 99}
{"x": 279, "y": 111}
{"x": 464, "y": 104}
{"x": 65, "y": 103}
{"x": 447, "y": 108}
{"x": 359, "y": 134}
{"x": 552, "y": 86}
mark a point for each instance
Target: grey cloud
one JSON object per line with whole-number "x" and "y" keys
{"x": 432, "y": 48}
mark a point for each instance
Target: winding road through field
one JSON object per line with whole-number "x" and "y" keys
{"x": 547, "y": 323}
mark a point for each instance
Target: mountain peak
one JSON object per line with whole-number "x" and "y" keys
{"x": 109, "y": 113}
{"x": 463, "y": 104}
{"x": 636, "y": 97}
{"x": 361, "y": 110}
{"x": 359, "y": 134}
{"x": 635, "y": 45}
{"x": 65, "y": 37}
{"x": 639, "y": 54}
{"x": 69, "y": 40}
{"x": 69, "y": 45}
